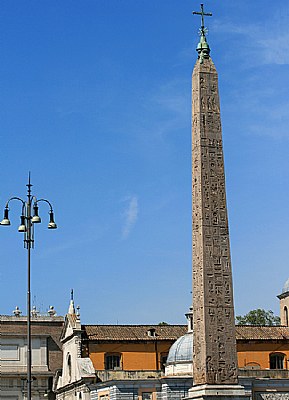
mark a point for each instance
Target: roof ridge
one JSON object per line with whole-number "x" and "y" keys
{"x": 262, "y": 326}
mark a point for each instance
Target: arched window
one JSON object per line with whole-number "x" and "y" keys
{"x": 286, "y": 315}
{"x": 69, "y": 366}
{"x": 277, "y": 360}
{"x": 252, "y": 365}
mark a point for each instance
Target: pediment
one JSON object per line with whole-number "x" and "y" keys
{"x": 68, "y": 328}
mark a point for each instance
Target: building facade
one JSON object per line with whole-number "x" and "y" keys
{"x": 146, "y": 362}
{"x": 131, "y": 358}
{"x": 46, "y": 355}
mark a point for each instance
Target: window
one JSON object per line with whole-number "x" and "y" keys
{"x": 152, "y": 332}
{"x": 69, "y": 366}
{"x": 146, "y": 395}
{"x": 112, "y": 361}
{"x": 164, "y": 357}
{"x": 286, "y": 315}
{"x": 9, "y": 352}
{"x": 252, "y": 365}
{"x": 277, "y": 361}
{"x": 103, "y": 395}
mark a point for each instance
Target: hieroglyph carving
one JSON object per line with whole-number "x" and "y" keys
{"x": 215, "y": 357}
{"x": 272, "y": 396}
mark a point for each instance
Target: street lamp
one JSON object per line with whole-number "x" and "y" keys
{"x": 26, "y": 226}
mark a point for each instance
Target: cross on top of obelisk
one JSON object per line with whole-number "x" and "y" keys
{"x": 202, "y": 13}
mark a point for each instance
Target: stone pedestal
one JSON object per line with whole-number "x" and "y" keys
{"x": 223, "y": 392}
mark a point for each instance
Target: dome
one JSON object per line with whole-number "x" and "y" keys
{"x": 180, "y": 358}
{"x": 182, "y": 350}
{"x": 286, "y": 287}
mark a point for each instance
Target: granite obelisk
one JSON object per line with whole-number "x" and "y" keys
{"x": 215, "y": 354}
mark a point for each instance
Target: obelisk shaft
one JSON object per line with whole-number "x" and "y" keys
{"x": 215, "y": 355}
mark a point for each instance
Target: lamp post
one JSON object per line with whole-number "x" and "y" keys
{"x": 26, "y": 226}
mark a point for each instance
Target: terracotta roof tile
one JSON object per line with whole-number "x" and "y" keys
{"x": 134, "y": 332}
{"x": 249, "y": 332}
{"x": 173, "y": 332}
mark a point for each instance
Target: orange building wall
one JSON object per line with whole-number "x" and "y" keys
{"x": 135, "y": 356}
{"x": 258, "y": 354}
{"x": 147, "y": 356}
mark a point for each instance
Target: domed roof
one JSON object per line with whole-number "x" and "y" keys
{"x": 286, "y": 286}
{"x": 182, "y": 350}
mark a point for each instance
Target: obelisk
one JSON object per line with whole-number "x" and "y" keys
{"x": 215, "y": 354}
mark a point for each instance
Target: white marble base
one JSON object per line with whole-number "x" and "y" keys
{"x": 212, "y": 392}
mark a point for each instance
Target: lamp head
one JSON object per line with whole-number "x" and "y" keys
{"x": 22, "y": 226}
{"x": 5, "y": 220}
{"x": 35, "y": 219}
{"x": 52, "y": 224}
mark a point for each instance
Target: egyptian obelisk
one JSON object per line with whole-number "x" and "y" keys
{"x": 215, "y": 354}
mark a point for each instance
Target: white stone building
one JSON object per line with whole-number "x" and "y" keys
{"x": 46, "y": 355}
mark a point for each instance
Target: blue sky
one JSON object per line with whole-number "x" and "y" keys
{"x": 95, "y": 101}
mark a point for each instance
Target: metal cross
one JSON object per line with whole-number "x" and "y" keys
{"x": 202, "y": 13}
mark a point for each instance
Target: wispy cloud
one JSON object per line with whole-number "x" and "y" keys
{"x": 130, "y": 215}
{"x": 171, "y": 97}
{"x": 163, "y": 112}
{"x": 169, "y": 102}
{"x": 275, "y": 122}
{"x": 263, "y": 44}
{"x": 261, "y": 59}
